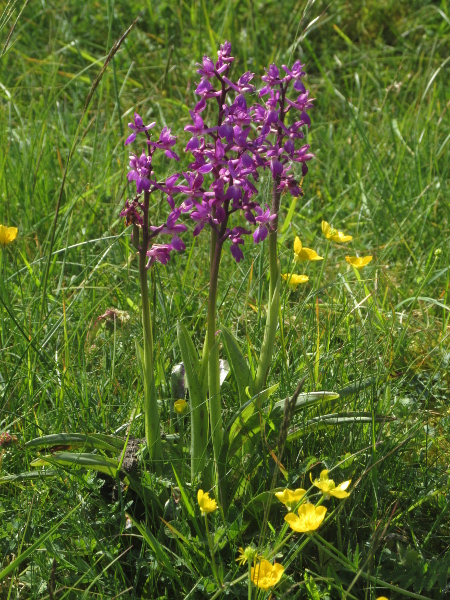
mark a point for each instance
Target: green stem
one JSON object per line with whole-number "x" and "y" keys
{"x": 181, "y": 435}
{"x": 211, "y": 550}
{"x": 268, "y": 344}
{"x": 267, "y": 347}
{"x": 249, "y": 580}
{"x": 215, "y": 407}
{"x": 229, "y": 585}
{"x": 151, "y": 412}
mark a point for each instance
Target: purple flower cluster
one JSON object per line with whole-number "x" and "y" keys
{"x": 136, "y": 211}
{"x": 229, "y": 156}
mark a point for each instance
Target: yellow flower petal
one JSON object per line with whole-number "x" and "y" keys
{"x": 180, "y": 406}
{"x": 294, "y": 280}
{"x": 290, "y": 498}
{"x": 325, "y": 229}
{"x": 265, "y": 575}
{"x": 339, "y": 490}
{"x": 7, "y": 234}
{"x": 206, "y": 504}
{"x": 309, "y": 518}
{"x": 333, "y": 234}
{"x": 358, "y": 261}
{"x": 297, "y": 245}
{"x": 302, "y": 254}
{"x": 327, "y": 486}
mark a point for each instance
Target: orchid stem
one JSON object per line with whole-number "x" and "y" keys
{"x": 151, "y": 412}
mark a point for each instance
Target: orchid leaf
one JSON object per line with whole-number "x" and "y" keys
{"x": 309, "y": 399}
{"x": 356, "y": 386}
{"x": 265, "y": 356}
{"x": 94, "y": 462}
{"x": 238, "y": 365}
{"x": 197, "y": 404}
{"x": 333, "y": 419}
{"x": 140, "y": 357}
{"x": 76, "y": 440}
{"x": 29, "y": 475}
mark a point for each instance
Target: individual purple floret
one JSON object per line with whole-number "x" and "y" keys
{"x": 236, "y": 239}
{"x": 137, "y": 126}
{"x": 165, "y": 142}
{"x": 159, "y": 253}
{"x": 264, "y": 219}
{"x": 140, "y": 172}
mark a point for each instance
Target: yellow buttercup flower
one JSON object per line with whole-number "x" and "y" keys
{"x": 7, "y": 234}
{"x": 265, "y": 575}
{"x": 180, "y": 406}
{"x": 358, "y": 261}
{"x": 207, "y": 505}
{"x": 382, "y": 598}
{"x": 333, "y": 234}
{"x": 290, "y": 498}
{"x": 328, "y": 487}
{"x": 302, "y": 254}
{"x": 294, "y": 280}
{"x": 309, "y": 518}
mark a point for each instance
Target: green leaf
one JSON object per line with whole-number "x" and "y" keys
{"x": 238, "y": 364}
{"x": 29, "y": 475}
{"x": 262, "y": 499}
{"x": 93, "y": 440}
{"x": 108, "y": 466}
{"x": 140, "y": 357}
{"x": 184, "y": 496}
{"x": 265, "y": 356}
{"x": 356, "y": 386}
{"x": 243, "y": 414}
{"x": 246, "y": 422}
{"x": 334, "y": 419}
{"x": 187, "y": 502}
{"x": 198, "y": 402}
{"x": 309, "y": 399}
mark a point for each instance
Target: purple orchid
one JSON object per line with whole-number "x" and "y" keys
{"x": 229, "y": 155}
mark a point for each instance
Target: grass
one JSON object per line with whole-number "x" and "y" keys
{"x": 380, "y": 131}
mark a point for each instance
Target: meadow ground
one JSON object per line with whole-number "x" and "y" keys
{"x": 380, "y": 132}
